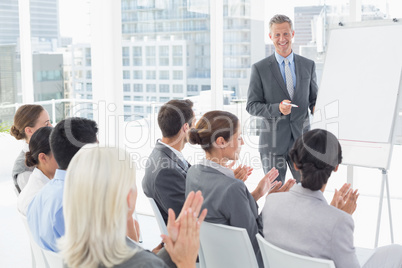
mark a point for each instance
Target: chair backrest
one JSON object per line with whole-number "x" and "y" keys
{"x": 158, "y": 216}
{"x": 275, "y": 257}
{"x": 226, "y": 246}
{"x": 53, "y": 259}
{"x": 38, "y": 260}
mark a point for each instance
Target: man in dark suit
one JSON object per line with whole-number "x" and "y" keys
{"x": 166, "y": 169}
{"x": 283, "y": 87}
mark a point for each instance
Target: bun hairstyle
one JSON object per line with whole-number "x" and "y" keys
{"x": 316, "y": 154}
{"x": 212, "y": 125}
{"x": 38, "y": 144}
{"x": 26, "y": 116}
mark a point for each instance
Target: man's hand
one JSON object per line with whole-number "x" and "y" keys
{"x": 285, "y": 109}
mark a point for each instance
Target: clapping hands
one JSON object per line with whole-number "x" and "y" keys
{"x": 345, "y": 199}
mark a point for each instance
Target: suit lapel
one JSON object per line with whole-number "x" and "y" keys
{"x": 169, "y": 153}
{"x": 273, "y": 65}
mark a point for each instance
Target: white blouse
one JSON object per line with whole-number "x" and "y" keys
{"x": 35, "y": 183}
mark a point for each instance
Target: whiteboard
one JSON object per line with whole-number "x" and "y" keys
{"x": 358, "y": 96}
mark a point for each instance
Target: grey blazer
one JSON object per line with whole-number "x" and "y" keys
{"x": 19, "y": 167}
{"x": 165, "y": 180}
{"x": 228, "y": 201}
{"x": 267, "y": 89}
{"x": 301, "y": 221}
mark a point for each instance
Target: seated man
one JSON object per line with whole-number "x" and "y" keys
{"x": 45, "y": 213}
{"x": 165, "y": 175}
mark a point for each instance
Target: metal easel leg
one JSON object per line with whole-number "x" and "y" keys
{"x": 384, "y": 176}
{"x": 389, "y": 208}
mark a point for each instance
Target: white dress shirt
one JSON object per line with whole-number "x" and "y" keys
{"x": 35, "y": 183}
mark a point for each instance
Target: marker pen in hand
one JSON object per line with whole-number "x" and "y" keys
{"x": 291, "y": 104}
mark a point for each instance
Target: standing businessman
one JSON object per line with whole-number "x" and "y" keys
{"x": 277, "y": 81}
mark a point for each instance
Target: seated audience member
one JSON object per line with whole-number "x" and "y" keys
{"x": 306, "y": 224}
{"x": 99, "y": 198}
{"x": 27, "y": 120}
{"x": 166, "y": 168}
{"x": 227, "y": 199}
{"x": 45, "y": 212}
{"x": 39, "y": 156}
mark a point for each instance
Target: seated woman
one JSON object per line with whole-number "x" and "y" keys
{"x": 27, "y": 120}
{"x": 227, "y": 199}
{"x": 99, "y": 198}
{"x": 306, "y": 224}
{"x": 40, "y": 157}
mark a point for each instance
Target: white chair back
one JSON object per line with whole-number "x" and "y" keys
{"x": 158, "y": 216}
{"x": 275, "y": 257}
{"x": 53, "y": 259}
{"x": 38, "y": 260}
{"x": 226, "y": 246}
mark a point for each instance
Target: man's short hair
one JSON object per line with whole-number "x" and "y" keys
{"x": 278, "y": 19}
{"x": 69, "y": 136}
{"x": 173, "y": 115}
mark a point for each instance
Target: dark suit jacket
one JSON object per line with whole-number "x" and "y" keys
{"x": 165, "y": 180}
{"x": 267, "y": 89}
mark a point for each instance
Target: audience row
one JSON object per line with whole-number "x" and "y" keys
{"x": 80, "y": 198}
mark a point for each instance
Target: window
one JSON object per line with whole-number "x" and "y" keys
{"x": 177, "y": 61}
{"x": 137, "y": 51}
{"x": 164, "y": 88}
{"x": 126, "y": 52}
{"x": 138, "y": 109}
{"x": 205, "y": 87}
{"x": 163, "y": 51}
{"x": 89, "y": 74}
{"x": 126, "y": 88}
{"x": 164, "y": 75}
{"x": 137, "y": 74}
{"x": 177, "y": 50}
{"x": 164, "y": 99}
{"x": 177, "y": 75}
{"x": 164, "y": 61}
{"x": 151, "y": 88}
{"x": 150, "y": 51}
{"x": 127, "y": 98}
{"x": 137, "y": 88}
{"x": 126, "y": 62}
{"x": 126, "y": 74}
{"x": 177, "y": 88}
{"x": 192, "y": 88}
{"x": 151, "y": 74}
{"x": 151, "y": 98}
{"x": 138, "y": 98}
{"x": 89, "y": 87}
{"x": 137, "y": 61}
{"x": 127, "y": 109}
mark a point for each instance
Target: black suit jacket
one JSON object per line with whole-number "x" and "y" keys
{"x": 165, "y": 180}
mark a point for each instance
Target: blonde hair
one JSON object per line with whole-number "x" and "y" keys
{"x": 95, "y": 207}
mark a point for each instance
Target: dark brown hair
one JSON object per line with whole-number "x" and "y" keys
{"x": 212, "y": 125}
{"x": 26, "y": 116}
{"x": 173, "y": 115}
{"x": 38, "y": 144}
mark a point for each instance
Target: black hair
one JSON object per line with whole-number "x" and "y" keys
{"x": 173, "y": 115}
{"x": 68, "y": 136}
{"x": 316, "y": 154}
{"x": 38, "y": 144}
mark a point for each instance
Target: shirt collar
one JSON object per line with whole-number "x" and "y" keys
{"x": 25, "y": 148}
{"x": 224, "y": 170}
{"x": 39, "y": 174}
{"x": 60, "y": 174}
{"x": 300, "y": 190}
{"x": 176, "y": 152}
{"x": 280, "y": 59}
